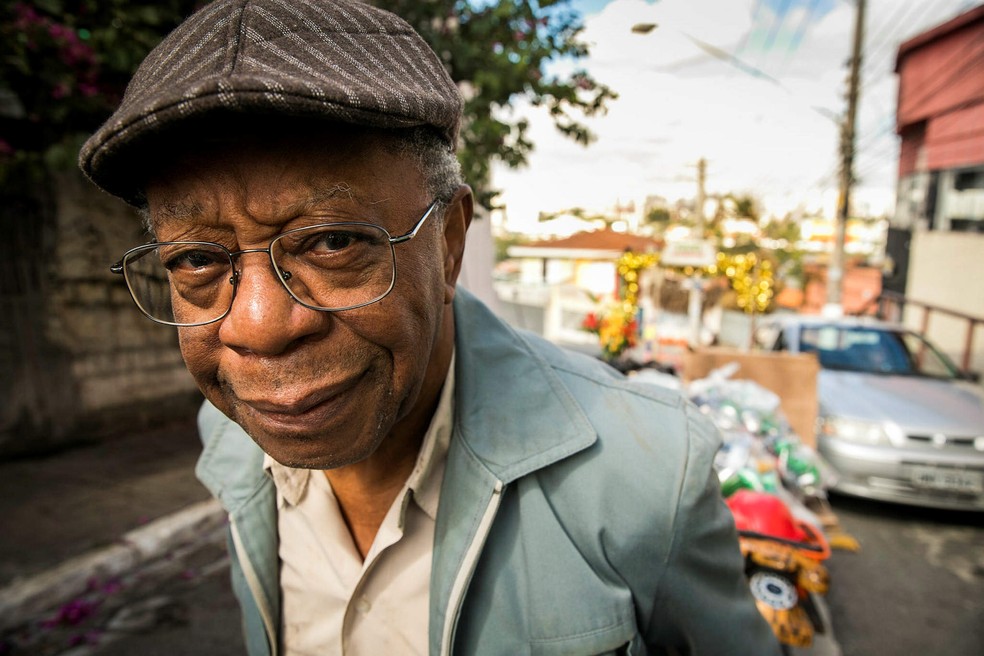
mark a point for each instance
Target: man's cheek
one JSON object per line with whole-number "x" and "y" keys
{"x": 200, "y": 348}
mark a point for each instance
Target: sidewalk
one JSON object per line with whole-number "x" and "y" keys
{"x": 95, "y": 512}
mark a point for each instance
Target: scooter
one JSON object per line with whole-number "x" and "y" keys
{"x": 784, "y": 564}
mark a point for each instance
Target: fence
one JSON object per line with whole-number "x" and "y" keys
{"x": 891, "y": 306}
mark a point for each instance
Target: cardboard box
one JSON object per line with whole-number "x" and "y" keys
{"x": 792, "y": 376}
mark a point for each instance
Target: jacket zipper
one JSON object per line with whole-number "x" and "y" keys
{"x": 467, "y": 568}
{"x": 255, "y": 588}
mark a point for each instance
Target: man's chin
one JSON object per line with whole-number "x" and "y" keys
{"x": 313, "y": 440}
{"x": 306, "y": 451}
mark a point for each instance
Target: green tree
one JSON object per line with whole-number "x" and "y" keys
{"x": 499, "y": 51}
{"x": 65, "y": 66}
{"x": 658, "y": 216}
{"x": 787, "y": 229}
{"x": 503, "y": 243}
{"x": 745, "y": 206}
{"x": 579, "y": 213}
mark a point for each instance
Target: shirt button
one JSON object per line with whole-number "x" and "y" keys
{"x": 363, "y": 606}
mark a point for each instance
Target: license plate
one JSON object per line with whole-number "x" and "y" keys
{"x": 950, "y": 480}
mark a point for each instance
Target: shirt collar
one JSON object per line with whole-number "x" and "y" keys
{"x": 428, "y": 471}
{"x": 291, "y": 482}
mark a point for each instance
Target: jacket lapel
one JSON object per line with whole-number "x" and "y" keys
{"x": 513, "y": 416}
{"x": 511, "y": 408}
{"x": 231, "y": 467}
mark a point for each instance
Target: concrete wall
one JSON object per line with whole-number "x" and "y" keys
{"x": 945, "y": 270}
{"x": 80, "y": 359}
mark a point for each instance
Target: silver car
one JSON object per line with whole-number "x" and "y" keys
{"x": 898, "y": 422}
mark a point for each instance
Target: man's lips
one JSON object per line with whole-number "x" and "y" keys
{"x": 289, "y": 407}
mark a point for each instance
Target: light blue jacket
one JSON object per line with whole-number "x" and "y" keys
{"x": 578, "y": 514}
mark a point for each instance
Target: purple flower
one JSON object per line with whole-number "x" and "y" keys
{"x": 73, "y": 613}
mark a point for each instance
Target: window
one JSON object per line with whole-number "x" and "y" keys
{"x": 875, "y": 350}
{"x": 969, "y": 179}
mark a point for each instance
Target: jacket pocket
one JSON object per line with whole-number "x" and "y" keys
{"x": 615, "y": 639}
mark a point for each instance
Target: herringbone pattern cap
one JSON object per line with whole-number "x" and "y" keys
{"x": 341, "y": 60}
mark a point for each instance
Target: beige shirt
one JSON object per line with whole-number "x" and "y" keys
{"x": 334, "y": 602}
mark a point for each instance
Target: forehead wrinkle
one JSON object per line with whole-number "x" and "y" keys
{"x": 174, "y": 211}
{"x": 323, "y": 196}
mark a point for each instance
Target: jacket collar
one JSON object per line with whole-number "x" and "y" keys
{"x": 512, "y": 409}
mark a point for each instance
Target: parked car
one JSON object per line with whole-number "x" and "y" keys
{"x": 898, "y": 421}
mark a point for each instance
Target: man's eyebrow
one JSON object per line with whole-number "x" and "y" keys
{"x": 167, "y": 213}
{"x": 326, "y": 192}
{"x": 175, "y": 211}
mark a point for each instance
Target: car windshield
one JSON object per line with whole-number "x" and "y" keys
{"x": 875, "y": 350}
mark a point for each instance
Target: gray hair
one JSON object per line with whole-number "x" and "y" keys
{"x": 435, "y": 161}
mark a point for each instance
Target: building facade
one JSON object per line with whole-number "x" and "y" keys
{"x": 936, "y": 239}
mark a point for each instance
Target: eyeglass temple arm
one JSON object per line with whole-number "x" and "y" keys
{"x": 118, "y": 267}
{"x": 413, "y": 232}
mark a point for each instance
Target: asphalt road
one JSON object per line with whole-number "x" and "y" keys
{"x": 917, "y": 585}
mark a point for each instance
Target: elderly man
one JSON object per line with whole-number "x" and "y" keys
{"x": 404, "y": 474}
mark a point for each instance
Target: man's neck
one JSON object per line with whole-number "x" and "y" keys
{"x": 364, "y": 504}
{"x": 365, "y": 490}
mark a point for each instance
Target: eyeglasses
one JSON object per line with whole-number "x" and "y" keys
{"x": 327, "y": 267}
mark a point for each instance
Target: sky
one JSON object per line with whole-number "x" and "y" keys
{"x": 764, "y": 119}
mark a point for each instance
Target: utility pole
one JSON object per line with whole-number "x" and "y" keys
{"x": 835, "y": 271}
{"x": 701, "y": 197}
{"x": 695, "y": 300}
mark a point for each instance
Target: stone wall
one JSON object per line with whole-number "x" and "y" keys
{"x": 78, "y": 358}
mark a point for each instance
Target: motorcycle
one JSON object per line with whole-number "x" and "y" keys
{"x": 784, "y": 560}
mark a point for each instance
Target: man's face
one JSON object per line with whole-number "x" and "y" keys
{"x": 315, "y": 389}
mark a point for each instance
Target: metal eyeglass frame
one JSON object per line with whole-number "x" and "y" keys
{"x": 119, "y": 268}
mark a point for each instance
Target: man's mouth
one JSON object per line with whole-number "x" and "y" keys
{"x": 305, "y": 409}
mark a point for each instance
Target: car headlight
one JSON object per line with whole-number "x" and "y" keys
{"x": 855, "y": 430}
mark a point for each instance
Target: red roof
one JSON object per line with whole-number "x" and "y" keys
{"x": 934, "y": 34}
{"x": 601, "y": 240}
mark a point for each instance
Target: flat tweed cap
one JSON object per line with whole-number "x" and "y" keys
{"x": 338, "y": 60}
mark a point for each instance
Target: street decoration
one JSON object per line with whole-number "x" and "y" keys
{"x": 752, "y": 278}
{"x": 616, "y": 325}
{"x": 629, "y": 267}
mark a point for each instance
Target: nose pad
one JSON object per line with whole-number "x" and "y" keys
{"x": 264, "y": 317}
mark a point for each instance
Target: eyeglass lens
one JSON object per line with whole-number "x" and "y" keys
{"x": 324, "y": 267}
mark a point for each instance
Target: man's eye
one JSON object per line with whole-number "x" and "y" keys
{"x": 334, "y": 240}
{"x": 196, "y": 259}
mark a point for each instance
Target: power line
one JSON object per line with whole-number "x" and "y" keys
{"x": 884, "y": 34}
{"x": 969, "y": 64}
{"x": 965, "y": 67}
{"x": 890, "y": 45}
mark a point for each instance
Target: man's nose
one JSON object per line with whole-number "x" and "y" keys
{"x": 264, "y": 318}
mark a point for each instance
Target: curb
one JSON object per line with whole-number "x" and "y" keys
{"x": 24, "y": 599}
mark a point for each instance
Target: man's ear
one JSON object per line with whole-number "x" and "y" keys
{"x": 457, "y": 218}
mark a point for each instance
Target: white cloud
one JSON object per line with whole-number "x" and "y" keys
{"x": 678, "y": 104}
